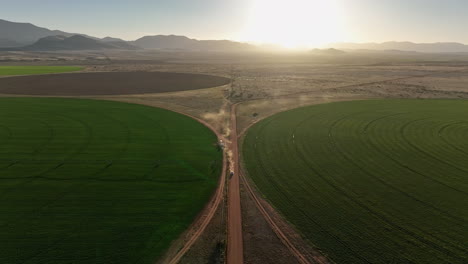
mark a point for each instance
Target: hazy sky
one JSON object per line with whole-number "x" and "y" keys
{"x": 289, "y": 22}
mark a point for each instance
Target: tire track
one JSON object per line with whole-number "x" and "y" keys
{"x": 408, "y": 167}
{"x": 382, "y": 217}
{"x": 199, "y": 225}
{"x": 276, "y": 227}
{"x": 423, "y": 152}
{"x": 235, "y": 250}
{"x": 441, "y": 131}
{"x": 204, "y": 217}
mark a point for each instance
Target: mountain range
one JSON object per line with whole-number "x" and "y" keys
{"x": 26, "y": 36}
{"x": 184, "y": 43}
{"x": 14, "y": 34}
{"x": 440, "y": 47}
{"x": 76, "y": 42}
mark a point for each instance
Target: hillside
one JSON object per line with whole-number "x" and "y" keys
{"x": 13, "y": 34}
{"x": 75, "y": 42}
{"x": 330, "y": 52}
{"x": 173, "y": 42}
{"x": 26, "y": 36}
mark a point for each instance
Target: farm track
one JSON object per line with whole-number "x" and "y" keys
{"x": 280, "y": 233}
{"x": 205, "y": 217}
{"x": 277, "y": 228}
{"x": 198, "y": 227}
{"x": 235, "y": 252}
{"x": 252, "y": 192}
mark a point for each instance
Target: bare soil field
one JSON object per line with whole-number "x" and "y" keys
{"x": 108, "y": 83}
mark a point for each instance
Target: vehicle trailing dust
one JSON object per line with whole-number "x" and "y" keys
{"x": 220, "y": 120}
{"x": 227, "y": 132}
{"x": 230, "y": 158}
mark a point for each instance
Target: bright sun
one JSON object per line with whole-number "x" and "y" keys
{"x": 294, "y": 23}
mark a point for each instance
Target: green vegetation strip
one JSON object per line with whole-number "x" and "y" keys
{"x": 30, "y": 70}
{"x": 369, "y": 181}
{"x": 84, "y": 181}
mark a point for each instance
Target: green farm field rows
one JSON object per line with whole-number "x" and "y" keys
{"x": 28, "y": 70}
{"x": 87, "y": 181}
{"x": 381, "y": 181}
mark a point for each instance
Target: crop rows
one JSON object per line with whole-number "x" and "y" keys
{"x": 370, "y": 181}
{"x": 85, "y": 181}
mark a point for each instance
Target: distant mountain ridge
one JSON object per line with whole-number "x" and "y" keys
{"x": 441, "y": 47}
{"x": 76, "y": 42}
{"x": 330, "y": 51}
{"x": 111, "y": 39}
{"x": 9, "y": 43}
{"x": 26, "y": 36}
{"x": 22, "y": 34}
{"x": 173, "y": 42}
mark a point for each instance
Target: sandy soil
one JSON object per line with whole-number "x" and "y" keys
{"x": 209, "y": 105}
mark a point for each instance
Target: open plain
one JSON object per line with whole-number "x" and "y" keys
{"x": 262, "y": 85}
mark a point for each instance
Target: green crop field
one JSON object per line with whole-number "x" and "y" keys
{"x": 382, "y": 181}
{"x": 29, "y": 70}
{"x": 85, "y": 181}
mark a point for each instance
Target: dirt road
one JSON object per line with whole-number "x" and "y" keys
{"x": 235, "y": 250}
{"x": 282, "y": 233}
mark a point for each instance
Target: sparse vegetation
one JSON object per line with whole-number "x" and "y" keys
{"x": 382, "y": 181}
{"x": 87, "y": 181}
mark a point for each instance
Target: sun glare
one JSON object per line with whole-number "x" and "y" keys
{"x": 295, "y": 23}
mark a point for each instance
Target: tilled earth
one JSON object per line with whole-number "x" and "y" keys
{"x": 108, "y": 83}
